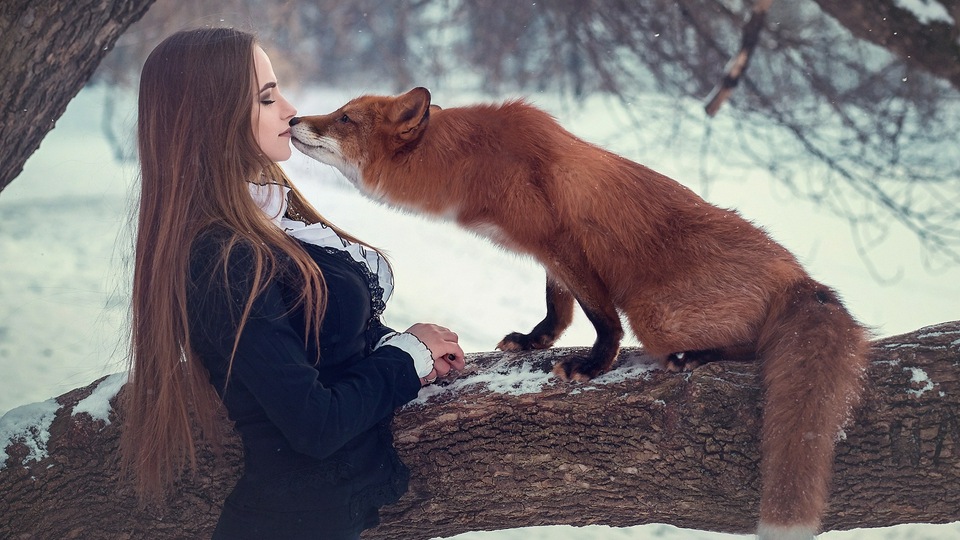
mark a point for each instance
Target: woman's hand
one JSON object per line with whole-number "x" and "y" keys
{"x": 443, "y": 345}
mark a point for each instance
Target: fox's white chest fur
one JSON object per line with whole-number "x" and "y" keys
{"x": 495, "y": 234}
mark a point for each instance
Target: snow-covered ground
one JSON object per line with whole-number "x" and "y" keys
{"x": 64, "y": 262}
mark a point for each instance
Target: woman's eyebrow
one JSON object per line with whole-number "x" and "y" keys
{"x": 268, "y": 85}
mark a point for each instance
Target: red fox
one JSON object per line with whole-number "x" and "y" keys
{"x": 618, "y": 237}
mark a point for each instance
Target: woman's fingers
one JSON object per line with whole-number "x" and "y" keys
{"x": 442, "y": 342}
{"x": 456, "y": 361}
{"x": 450, "y": 358}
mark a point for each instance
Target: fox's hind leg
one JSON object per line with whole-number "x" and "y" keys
{"x": 690, "y": 360}
{"x": 544, "y": 334}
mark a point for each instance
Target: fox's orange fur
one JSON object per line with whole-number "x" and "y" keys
{"x": 618, "y": 237}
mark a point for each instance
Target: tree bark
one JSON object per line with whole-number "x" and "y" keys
{"x": 49, "y": 50}
{"x": 636, "y": 446}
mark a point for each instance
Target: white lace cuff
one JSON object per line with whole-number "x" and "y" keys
{"x": 410, "y": 344}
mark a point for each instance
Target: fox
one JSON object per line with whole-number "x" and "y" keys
{"x": 696, "y": 283}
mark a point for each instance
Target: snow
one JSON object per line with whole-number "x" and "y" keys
{"x": 919, "y": 377}
{"x": 779, "y": 532}
{"x": 506, "y": 377}
{"x": 501, "y": 378}
{"x": 669, "y": 532}
{"x": 626, "y": 368}
{"x": 598, "y": 532}
{"x": 64, "y": 255}
{"x": 97, "y": 404}
{"x": 28, "y": 424}
{"x": 936, "y": 333}
{"x": 927, "y": 11}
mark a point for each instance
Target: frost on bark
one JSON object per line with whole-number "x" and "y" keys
{"x": 507, "y": 446}
{"x": 49, "y": 50}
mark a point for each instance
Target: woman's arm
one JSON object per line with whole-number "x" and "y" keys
{"x": 316, "y": 419}
{"x": 435, "y": 350}
{"x": 271, "y": 362}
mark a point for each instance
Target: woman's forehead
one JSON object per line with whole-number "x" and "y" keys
{"x": 264, "y": 68}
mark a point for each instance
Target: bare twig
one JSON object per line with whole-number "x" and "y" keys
{"x": 738, "y": 65}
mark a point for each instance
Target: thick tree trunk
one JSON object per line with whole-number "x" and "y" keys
{"x": 49, "y": 50}
{"x": 505, "y": 445}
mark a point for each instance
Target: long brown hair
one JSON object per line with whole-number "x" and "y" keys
{"x": 197, "y": 154}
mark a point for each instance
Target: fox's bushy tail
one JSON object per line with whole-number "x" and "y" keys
{"x": 814, "y": 355}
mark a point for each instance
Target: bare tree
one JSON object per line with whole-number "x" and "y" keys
{"x": 49, "y": 50}
{"x": 852, "y": 105}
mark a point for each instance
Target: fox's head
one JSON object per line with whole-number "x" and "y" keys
{"x": 366, "y": 129}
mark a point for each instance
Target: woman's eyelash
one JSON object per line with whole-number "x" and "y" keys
{"x": 266, "y": 101}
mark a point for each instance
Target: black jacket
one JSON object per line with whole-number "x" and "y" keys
{"x": 314, "y": 423}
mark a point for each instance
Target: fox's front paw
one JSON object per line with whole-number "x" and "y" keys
{"x": 579, "y": 368}
{"x": 515, "y": 341}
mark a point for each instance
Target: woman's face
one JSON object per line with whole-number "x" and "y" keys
{"x": 271, "y": 111}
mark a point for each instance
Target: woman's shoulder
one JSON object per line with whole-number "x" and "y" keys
{"x": 216, "y": 243}
{"x": 215, "y": 239}
{"x": 213, "y": 235}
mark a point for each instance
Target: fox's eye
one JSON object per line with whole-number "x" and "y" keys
{"x": 344, "y": 119}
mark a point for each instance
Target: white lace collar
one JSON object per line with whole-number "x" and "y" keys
{"x": 272, "y": 199}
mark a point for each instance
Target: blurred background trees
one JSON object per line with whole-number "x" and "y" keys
{"x": 853, "y": 105}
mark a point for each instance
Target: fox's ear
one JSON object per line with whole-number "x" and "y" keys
{"x": 410, "y": 115}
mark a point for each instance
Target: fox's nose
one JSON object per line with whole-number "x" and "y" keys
{"x": 294, "y": 121}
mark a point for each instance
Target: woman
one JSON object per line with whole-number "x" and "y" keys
{"x": 240, "y": 287}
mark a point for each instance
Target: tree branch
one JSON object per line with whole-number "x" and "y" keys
{"x": 932, "y": 46}
{"x": 738, "y": 64}
{"x": 505, "y": 445}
